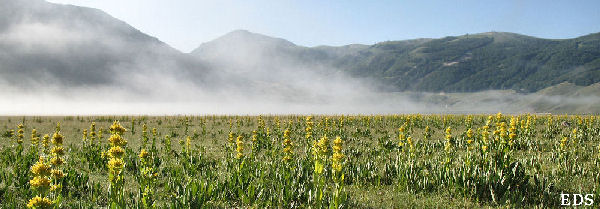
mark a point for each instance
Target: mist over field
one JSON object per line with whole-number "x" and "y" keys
{"x": 65, "y": 60}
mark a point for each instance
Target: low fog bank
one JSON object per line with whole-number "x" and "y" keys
{"x": 182, "y": 98}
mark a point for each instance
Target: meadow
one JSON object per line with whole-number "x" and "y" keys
{"x": 298, "y": 161}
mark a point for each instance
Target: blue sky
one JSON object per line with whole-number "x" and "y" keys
{"x": 185, "y": 24}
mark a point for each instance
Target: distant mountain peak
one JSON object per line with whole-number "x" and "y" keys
{"x": 244, "y": 40}
{"x": 245, "y": 35}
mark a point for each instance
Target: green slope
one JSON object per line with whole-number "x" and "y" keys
{"x": 468, "y": 63}
{"x": 480, "y": 62}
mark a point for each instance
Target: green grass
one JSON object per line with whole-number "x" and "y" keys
{"x": 378, "y": 174}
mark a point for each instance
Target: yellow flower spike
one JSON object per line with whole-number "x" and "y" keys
{"x": 240, "y": 146}
{"x": 286, "y": 133}
{"x": 143, "y": 154}
{"x": 34, "y": 138}
{"x": 337, "y": 157}
{"x": 39, "y": 202}
{"x": 117, "y": 128}
{"x": 45, "y": 140}
{"x": 188, "y": 143}
{"x": 116, "y": 152}
{"x": 287, "y": 146}
{"x": 57, "y": 161}
{"x": 254, "y": 136}
{"x": 230, "y": 137}
{"x": 116, "y": 164}
{"x": 322, "y": 144}
{"x": 563, "y": 142}
{"x": 57, "y": 138}
{"x": 40, "y": 168}
{"x": 60, "y": 151}
{"x": 84, "y": 135}
{"x": 40, "y": 181}
{"x": 117, "y": 140}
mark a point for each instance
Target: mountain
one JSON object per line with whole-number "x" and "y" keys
{"x": 481, "y": 62}
{"x": 43, "y": 44}
{"x": 247, "y": 51}
{"x": 62, "y": 56}
{"x": 274, "y": 66}
{"x": 467, "y": 63}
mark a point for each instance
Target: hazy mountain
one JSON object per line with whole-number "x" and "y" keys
{"x": 62, "y": 59}
{"x": 51, "y": 44}
{"x": 244, "y": 51}
{"x": 467, "y": 63}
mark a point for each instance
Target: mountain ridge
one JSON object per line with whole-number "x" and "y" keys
{"x": 43, "y": 42}
{"x": 466, "y": 63}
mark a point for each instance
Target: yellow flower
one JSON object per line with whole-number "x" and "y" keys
{"x": 143, "y": 154}
{"x": 34, "y": 138}
{"x": 337, "y": 144}
{"x": 60, "y": 151}
{"x": 116, "y": 164}
{"x": 117, "y": 140}
{"x": 40, "y": 168}
{"x": 484, "y": 148}
{"x": 337, "y": 154}
{"x": 230, "y": 137}
{"x": 188, "y": 142}
{"x": 563, "y": 142}
{"x": 322, "y": 144}
{"x": 39, "y": 181}
{"x": 57, "y": 138}
{"x": 57, "y": 174}
{"x": 287, "y": 146}
{"x": 39, "y": 202}
{"x": 57, "y": 160}
{"x": 240, "y": 146}
{"x": 117, "y": 128}
{"x": 116, "y": 152}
